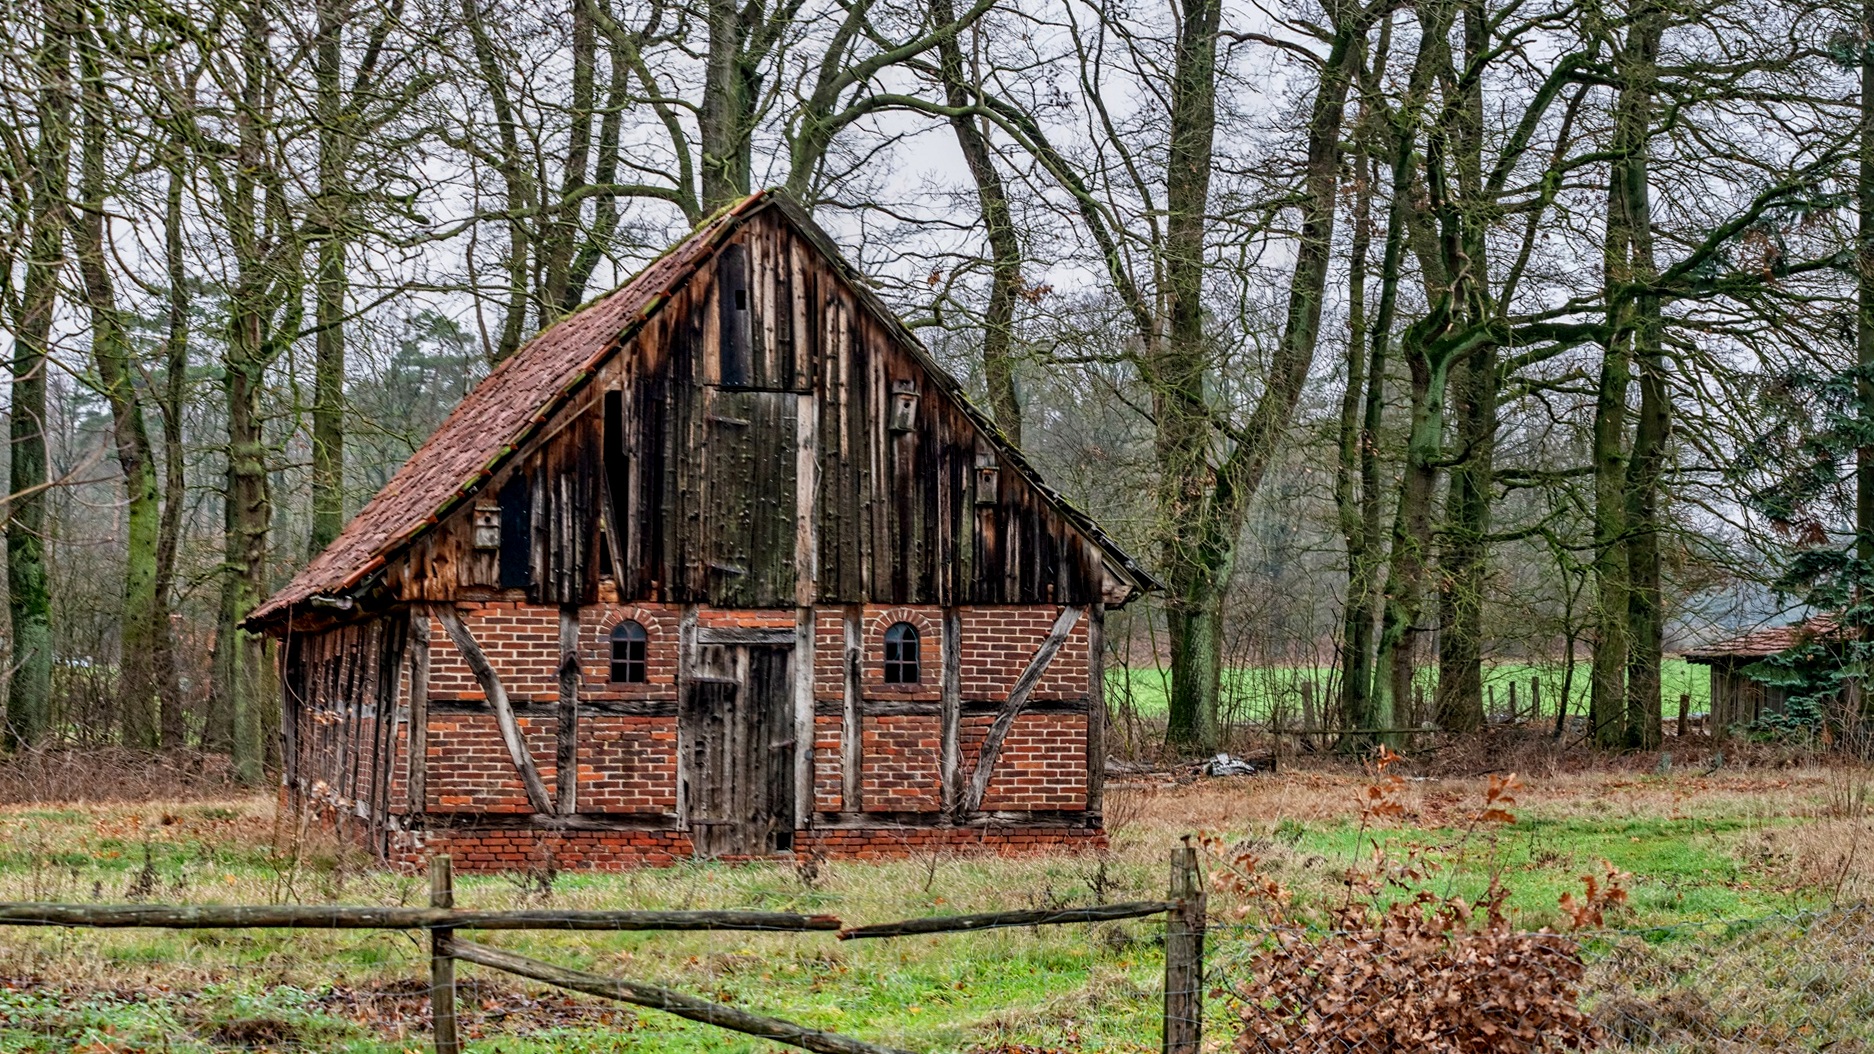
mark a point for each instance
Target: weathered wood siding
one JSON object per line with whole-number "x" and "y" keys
{"x": 702, "y": 468}
{"x": 340, "y": 724}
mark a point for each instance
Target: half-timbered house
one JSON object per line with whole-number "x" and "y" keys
{"x": 723, "y": 564}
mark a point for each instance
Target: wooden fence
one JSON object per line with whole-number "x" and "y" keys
{"x": 1184, "y": 910}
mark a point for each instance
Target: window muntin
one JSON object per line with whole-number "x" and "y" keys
{"x": 901, "y": 654}
{"x": 628, "y": 665}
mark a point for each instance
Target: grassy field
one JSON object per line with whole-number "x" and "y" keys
{"x": 1251, "y": 693}
{"x": 1698, "y": 845}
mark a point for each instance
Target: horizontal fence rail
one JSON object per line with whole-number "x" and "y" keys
{"x": 441, "y": 920}
{"x": 1001, "y": 919}
{"x": 320, "y": 917}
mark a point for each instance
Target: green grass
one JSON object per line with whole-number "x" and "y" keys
{"x": 1251, "y": 693}
{"x": 1688, "y": 843}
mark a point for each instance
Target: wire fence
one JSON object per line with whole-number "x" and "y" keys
{"x": 1801, "y": 982}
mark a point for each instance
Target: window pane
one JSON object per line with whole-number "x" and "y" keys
{"x": 901, "y": 658}
{"x": 628, "y": 647}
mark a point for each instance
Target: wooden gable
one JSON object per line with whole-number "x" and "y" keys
{"x": 761, "y": 433}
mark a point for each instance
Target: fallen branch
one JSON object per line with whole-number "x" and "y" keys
{"x": 664, "y": 999}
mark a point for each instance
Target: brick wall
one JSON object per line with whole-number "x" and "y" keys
{"x": 1043, "y": 764}
{"x": 469, "y": 769}
{"x": 1043, "y": 761}
{"x": 662, "y": 627}
{"x": 998, "y": 643}
{"x": 522, "y": 642}
{"x": 899, "y": 764}
{"x": 522, "y": 850}
{"x": 627, "y": 764}
{"x": 828, "y": 777}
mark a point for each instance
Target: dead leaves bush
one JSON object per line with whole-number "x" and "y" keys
{"x": 1402, "y": 968}
{"x": 1421, "y": 976}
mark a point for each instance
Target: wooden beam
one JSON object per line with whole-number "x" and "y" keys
{"x": 393, "y": 636}
{"x": 754, "y": 636}
{"x": 1018, "y": 698}
{"x": 1002, "y": 919}
{"x": 851, "y": 729}
{"x": 1096, "y": 711}
{"x": 497, "y": 699}
{"x": 686, "y": 751}
{"x": 685, "y": 1006}
{"x": 566, "y": 759}
{"x": 951, "y": 721}
{"x": 804, "y": 671}
{"x": 418, "y": 785}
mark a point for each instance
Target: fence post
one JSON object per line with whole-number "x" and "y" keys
{"x": 1184, "y": 955}
{"x": 441, "y": 963}
{"x": 1685, "y": 712}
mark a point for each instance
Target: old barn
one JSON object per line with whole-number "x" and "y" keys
{"x": 723, "y": 564}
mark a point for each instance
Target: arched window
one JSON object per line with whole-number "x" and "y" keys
{"x": 628, "y": 653}
{"x": 901, "y": 654}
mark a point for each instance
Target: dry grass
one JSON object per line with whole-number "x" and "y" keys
{"x": 113, "y": 774}
{"x": 1702, "y": 844}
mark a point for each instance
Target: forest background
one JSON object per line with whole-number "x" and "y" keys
{"x": 1409, "y": 341}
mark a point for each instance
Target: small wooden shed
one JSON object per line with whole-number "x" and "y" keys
{"x": 1736, "y": 697}
{"x": 721, "y": 565}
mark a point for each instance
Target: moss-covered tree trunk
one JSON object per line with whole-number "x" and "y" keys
{"x": 29, "y": 694}
{"x": 1005, "y": 250}
{"x": 144, "y": 622}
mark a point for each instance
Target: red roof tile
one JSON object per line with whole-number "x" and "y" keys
{"x": 1761, "y": 643}
{"x": 494, "y": 418}
{"x": 524, "y": 391}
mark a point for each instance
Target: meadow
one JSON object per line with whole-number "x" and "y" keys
{"x": 1251, "y": 694}
{"x": 1698, "y": 843}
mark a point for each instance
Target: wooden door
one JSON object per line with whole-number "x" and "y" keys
{"x": 737, "y": 727}
{"x": 748, "y": 483}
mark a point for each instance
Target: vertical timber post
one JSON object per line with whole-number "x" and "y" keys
{"x": 1685, "y": 712}
{"x": 1184, "y": 955}
{"x": 441, "y": 964}
{"x": 566, "y": 752}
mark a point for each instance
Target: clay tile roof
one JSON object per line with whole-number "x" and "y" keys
{"x": 1762, "y": 643}
{"x": 526, "y": 389}
{"x": 494, "y": 418}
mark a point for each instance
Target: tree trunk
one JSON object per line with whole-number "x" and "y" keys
{"x": 1356, "y": 648}
{"x": 731, "y": 86}
{"x": 1464, "y": 558}
{"x": 175, "y": 469}
{"x": 1184, "y": 430}
{"x": 1202, "y": 510}
{"x": 29, "y": 695}
{"x": 1004, "y": 247}
{"x": 1628, "y": 230}
{"x": 144, "y": 621}
{"x": 1645, "y": 607}
{"x": 562, "y": 224}
{"x": 330, "y": 287}
{"x": 1864, "y": 334}
{"x": 1396, "y": 661}
{"x": 242, "y": 701}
